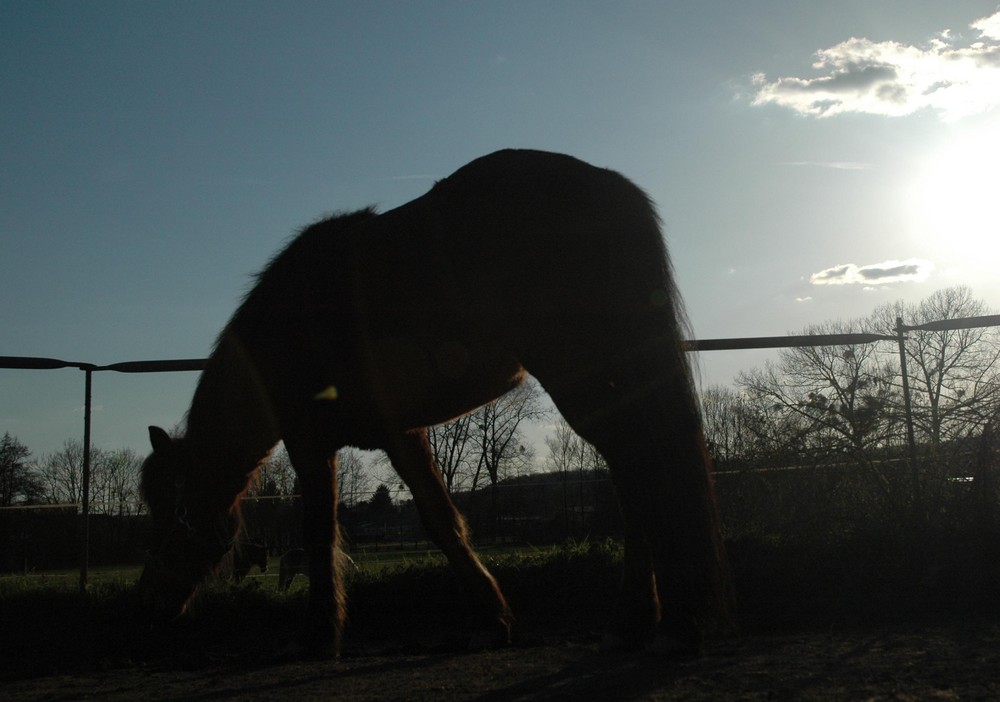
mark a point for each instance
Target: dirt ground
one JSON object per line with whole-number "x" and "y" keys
{"x": 951, "y": 660}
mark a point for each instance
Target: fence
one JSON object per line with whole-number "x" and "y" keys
{"x": 744, "y": 343}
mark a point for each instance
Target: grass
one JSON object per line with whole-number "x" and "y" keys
{"x": 397, "y": 599}
{"x": 99, "y": 579}
{"x": 368, "y": 563}
{"x": 400, "y": 598}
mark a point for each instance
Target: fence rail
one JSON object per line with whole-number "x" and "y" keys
{"x": 731, "y": 344}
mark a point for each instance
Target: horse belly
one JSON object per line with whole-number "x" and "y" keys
{"x": 421, "y": 383}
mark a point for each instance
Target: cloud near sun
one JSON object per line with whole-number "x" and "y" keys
{"x": 910, "y": 270}
{"x": 954, "y": 76}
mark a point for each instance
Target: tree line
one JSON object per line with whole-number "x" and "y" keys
{"x": 57, "y": 479}
{"x": 817, "y": 402}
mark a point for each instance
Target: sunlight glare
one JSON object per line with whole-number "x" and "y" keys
{"x": 959, "y": 197}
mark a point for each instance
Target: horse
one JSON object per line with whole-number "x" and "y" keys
{"x": 246, "y": 555}
{"x": 293, "y": 562}
{"x": 370, "y": 327}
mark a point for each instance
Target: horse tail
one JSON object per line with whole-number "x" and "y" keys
{"x": 686, "y": 511}
{"x": 719, "y": 602}
{"x": 685, "y": 484}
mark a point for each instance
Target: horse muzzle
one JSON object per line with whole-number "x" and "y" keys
{"x": 163, "y": 596}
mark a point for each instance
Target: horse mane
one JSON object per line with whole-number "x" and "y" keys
{"x": 320, "y": 240}
{"x": 264, "y": 304}
{"x": 325, "y": 232}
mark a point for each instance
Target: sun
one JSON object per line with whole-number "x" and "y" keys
{"x": 958, "y": 199}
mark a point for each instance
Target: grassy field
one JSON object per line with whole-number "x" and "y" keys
{"x": 817, "y": 623}
{"x": 368, "y": 563}
{"x": 408, "y": 599}
{"x": 398, "y": 600}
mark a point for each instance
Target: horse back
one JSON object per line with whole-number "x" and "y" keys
{"x": 518, "y": 231}
{"x": 424, "y": 312}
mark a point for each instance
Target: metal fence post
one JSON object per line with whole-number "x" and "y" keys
{"x": 85, "y": 511}
{"x": 910, "y": 437}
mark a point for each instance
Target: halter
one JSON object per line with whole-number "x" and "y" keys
{"x": 180, "y": 510}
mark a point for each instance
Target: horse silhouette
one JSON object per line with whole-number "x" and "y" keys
{"x": 367, "y": 328}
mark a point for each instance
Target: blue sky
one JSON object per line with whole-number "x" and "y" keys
{"x": 155, "y": 154}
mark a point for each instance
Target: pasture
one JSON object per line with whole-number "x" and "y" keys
{"x": 825, "y": 624}
{"x": 369, "y": 562}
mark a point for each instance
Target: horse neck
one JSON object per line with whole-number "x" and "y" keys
{"x": 229, "y": 422}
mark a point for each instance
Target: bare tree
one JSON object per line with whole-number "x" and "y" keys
{"x": 489, "y": 441}
{"x": 745, "y": 429}
{"x": 353, "y": 481}
{"x": 119, "y": 472}
{"x": 569, "y": 452}
{"x": 954, "y": 373}
{"x": 499, "y": 445}
{"x": 114, "y": 478}
{"x": 62, "y": 473}
{"x": 454, "y": 450}
{"x": 847, "y": 400}
{"x": 18, "y": 483}
{"x": 275, "y": 477}
{"x": 832, "y": 399}
{"x": 578, "y": 462}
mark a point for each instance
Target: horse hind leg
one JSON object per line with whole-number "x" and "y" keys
{"x": 674, "y": 576}
{"x": 665, "y": 497}
{"x": 413, "y": 459}
{"x": 637, "y": 610}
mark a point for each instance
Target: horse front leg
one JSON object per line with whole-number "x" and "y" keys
{"x": 413, "y": 459}
{"x": 324, "y": 627}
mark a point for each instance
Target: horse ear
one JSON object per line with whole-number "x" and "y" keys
{"x": 161, "y": 441}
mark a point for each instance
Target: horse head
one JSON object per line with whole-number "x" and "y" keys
{"x": 190, "y": 534}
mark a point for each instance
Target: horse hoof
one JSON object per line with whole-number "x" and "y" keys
{"x": 315, "y": 642}
{"x": 490, "y": 637}
{"x": 486, "y": 639}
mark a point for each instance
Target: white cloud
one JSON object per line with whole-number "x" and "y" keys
{"x": 988, "y": 26}
{"x": 893, "y": 79}
{"x": 892, "y": 271}
{"x": 807, "y": 298}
